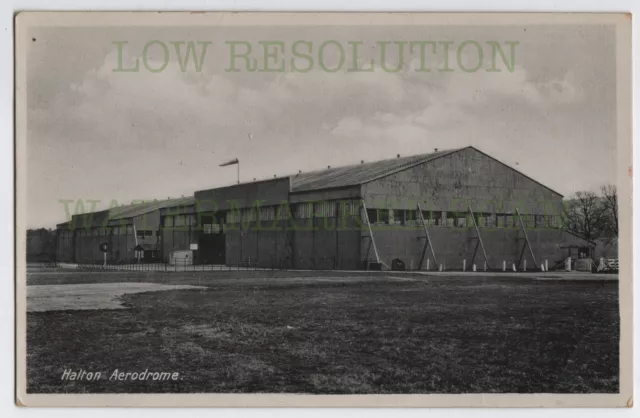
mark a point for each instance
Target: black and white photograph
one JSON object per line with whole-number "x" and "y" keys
{"x": 338, "y": 209}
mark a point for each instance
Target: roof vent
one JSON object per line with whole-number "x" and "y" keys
{"x": 398, "y": 156}
{"x": 361, "y": 161}
{"x": 435, "y": 150}
{"x": 299, "y": 171}
{"x": 328, "y": 166}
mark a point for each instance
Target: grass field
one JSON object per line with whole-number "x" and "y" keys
{"x": 331, "y": 333}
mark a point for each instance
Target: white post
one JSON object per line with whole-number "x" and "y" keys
{"x": 464, "y": 265}
{"x": 546, "y": 265}
{"x": 440, "y": 269}
{"x": 485, "y": 266}
{"x": 514, "y": 266}
{"x": 525, "y": 266}
{"x": 474, "y": 267}
{"x": 104, "y": 264}
{"x": 428, "y": 263}
{"x": 504, "y": 265}
{"x": 567, "y": 264}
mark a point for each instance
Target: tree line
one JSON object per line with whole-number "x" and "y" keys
{"x": 593, "y": 216}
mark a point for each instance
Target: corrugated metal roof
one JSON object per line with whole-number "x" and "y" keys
{"x": 131, "y": 211}
{"x": 355, "y": 174}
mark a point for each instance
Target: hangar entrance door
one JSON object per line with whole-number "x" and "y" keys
{"x": 211, "y": 243}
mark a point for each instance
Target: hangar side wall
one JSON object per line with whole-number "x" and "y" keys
{"x": 313, "y": 243}
{"x": 453, "y": 245}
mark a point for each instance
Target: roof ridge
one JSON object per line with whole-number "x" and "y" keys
{"x": 417, "y": 156}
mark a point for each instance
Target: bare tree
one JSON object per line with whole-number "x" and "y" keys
{"x": 610, "y": 207}
{"x": 584, "y": 215}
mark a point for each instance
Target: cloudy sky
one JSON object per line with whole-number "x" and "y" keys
{"x": 93, "y": 133}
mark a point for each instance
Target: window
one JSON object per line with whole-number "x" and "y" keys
{"x": 349, "y": 208}
{"x": 450, "y": 219}
{"x": 372, "y": 214}
{"x": 249, "y": 214}
{"x": 485, "y": 220}
{"x": 267, "y": 213}
{"x": 168, "y": 221}
{"x": 233, "y": 217}
{"x": 546, "y": 221}
{"x": 324, "y": 209}
{"x": 432, "y": 218}
{"x": 529, "y": 221}
{"x": 461, "y": 220}
{"x": 141, "y": 233}
{"x": 304, "y": 210}
{"x": 411, "y": 217}
{"x": 383, "y": 216}
{"x": 509, "y": 221}
{"x": 283, "y": 211}
{"x": 207, "y": 229}
{"x": 399, "y": 217}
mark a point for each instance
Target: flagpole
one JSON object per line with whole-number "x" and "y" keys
{"x": 238, "y": 172}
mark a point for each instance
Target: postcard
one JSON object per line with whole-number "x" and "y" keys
{"x": 323, "y": 209}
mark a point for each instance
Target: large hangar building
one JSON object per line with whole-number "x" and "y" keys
{"x": 127, "y": 228}
{"x": 450, "y": 208}
{"x": 349, "y": 217}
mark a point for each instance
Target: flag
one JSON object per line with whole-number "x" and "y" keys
{"x": 232, "y": 162}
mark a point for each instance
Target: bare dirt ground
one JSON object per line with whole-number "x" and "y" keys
{"x": 60, "y": 297}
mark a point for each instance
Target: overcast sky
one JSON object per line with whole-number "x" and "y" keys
{"x": 98, "y": 134}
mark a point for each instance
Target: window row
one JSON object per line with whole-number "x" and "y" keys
{"x": 307, "y": 210}
{"x": 457, "y": 219}
{"x": 179, "y": 221}
{"x": 141, "y": 233}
